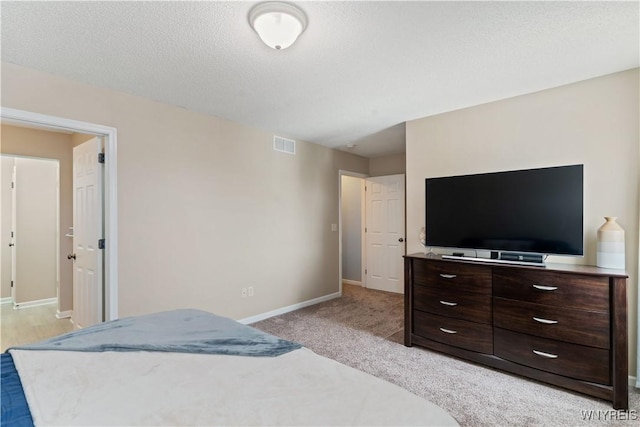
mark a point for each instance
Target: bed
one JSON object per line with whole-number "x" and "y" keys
{"x": 190, "y": 367}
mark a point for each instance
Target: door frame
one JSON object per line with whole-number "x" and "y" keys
{"x": 21, "y": 117}
{"x": 362, "y": 176}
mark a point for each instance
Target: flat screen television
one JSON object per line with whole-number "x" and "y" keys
{"x": 537, "y": 211}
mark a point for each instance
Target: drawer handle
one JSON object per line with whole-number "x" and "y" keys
{"x": 450, "y": 304}
{"x": 547, "y": 355}
{"x": 448, "y": 276}
{"x": 545, "y": 288}
{"x": 448, "y": 331}
{"x": 545, "y": 321}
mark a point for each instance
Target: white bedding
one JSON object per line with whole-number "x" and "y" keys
{"x": 66, "y": 388}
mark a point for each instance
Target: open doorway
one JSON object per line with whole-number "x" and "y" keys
{"x": 372, "y": 231}
{"x": 30, "y": 235}
{"x": 352, "y": 229}
{"x": 27, "y": 150}
{"x": 30, "y": 231}
{"x": 109, "y": 211}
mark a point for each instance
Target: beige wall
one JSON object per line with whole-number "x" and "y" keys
{"x": 80, "y": 138}
{"x": 595, "y": 122}
{"x": 36, "y": 229}
{"x": 392, "y": 164}
{"x": 51, "y": 145}
{"x": 352, "y": 227}
{"x": 205, "y": 206}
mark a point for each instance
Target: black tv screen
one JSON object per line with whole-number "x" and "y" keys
{"x": 535, "y": 210}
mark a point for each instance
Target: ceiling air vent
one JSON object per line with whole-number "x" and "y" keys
{"x": 283, "y": 144}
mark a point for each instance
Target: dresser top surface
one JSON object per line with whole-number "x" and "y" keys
{"x": 555, "y": 267}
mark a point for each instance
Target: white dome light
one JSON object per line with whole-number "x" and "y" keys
{"x": 278, "y": 24}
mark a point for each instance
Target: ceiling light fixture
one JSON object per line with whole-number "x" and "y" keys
{"x": 278, "y": 24}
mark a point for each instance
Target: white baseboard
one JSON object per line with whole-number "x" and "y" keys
{"x": 351, "y": 282}
{"x": 6, "y": 300}
{"x": 287, "y": 309}
{"x": 36, "y": 303}
{"x": 64, "y": 314}
{"x": 632, "y": 381}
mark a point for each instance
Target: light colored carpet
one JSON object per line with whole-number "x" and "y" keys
{"x": 363, "y": 329}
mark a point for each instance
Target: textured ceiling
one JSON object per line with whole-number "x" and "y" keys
{"x": 358, "y": 72}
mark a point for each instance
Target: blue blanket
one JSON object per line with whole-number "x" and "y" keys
{"x": 15, "y": 410}
{"x": 179, "y": 331}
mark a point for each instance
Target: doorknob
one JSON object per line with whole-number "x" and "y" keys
{"x": 11, "y": 244}
{"x": 401, "y": 240}
{"x": 71, "y": 256}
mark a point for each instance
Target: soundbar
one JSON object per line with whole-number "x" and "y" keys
{"x": 523, "y": 257}
{"x": 493, "y": 260}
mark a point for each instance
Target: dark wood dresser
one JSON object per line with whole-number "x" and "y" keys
{"x": 561, "y": 324}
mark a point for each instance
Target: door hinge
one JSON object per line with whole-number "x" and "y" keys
{"x": 365, "y": 229}
{"x": 12, "y": 185}
{"x": 365, "y": 271}
{"x": 100, "y": 157}
{"x": 12, "y": 283}
{"x": 12, "y": 234}
{"x": 101, "y": 244}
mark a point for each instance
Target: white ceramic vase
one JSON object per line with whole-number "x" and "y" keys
{"x": 422, "y": 237}
{"x": 610, "y": 252}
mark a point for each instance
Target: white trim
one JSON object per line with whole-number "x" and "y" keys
{"x": 36, "y": 303}
{"x": 351, "y": 282}
{"x": 289, "y": 308}
{"x": 6, "y": 300}
{"x": 110, "y": 190}
{"x": 64, "y": 314}
{"x": 633, "y": 381}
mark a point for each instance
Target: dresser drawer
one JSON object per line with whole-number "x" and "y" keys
{"x": 450, "y": 275}
{"x": 562, "y": 290}
{"x": 452, "y": 303}
{"x": 459, "y": 333}
{"x": 564, "y": 324}
{"x": 570, "y": 360}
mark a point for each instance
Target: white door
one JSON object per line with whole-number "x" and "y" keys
{"x": 87, "y": 232}
{"x": 385, "y": 231}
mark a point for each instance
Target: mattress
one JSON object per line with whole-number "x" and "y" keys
{"x": 298, "y": 387}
